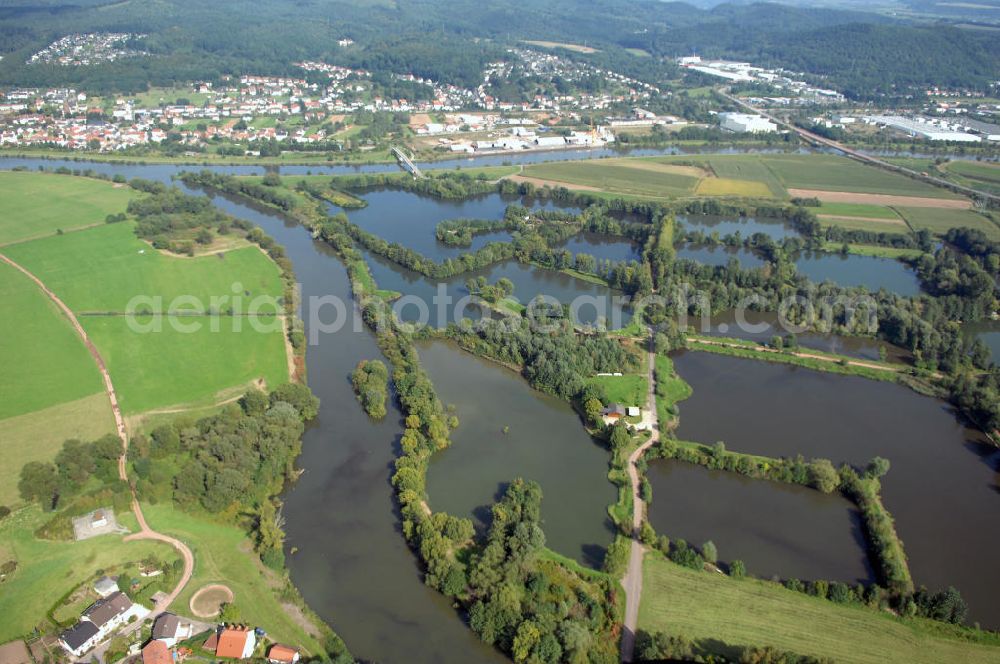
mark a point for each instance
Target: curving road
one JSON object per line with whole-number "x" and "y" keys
{"x": 145, "y": 532}
{"x": 632, "y": 581}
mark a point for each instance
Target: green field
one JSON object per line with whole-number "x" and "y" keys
{"x": 974, "y": 170}
{"x": 225, "y": 555}
{"x": 42, "y": 360}
{"x": 938, "y": 221}
{"x": 171, "y": 368}
{"x": 623, "y": 176}
{"x": 832, "y": 173}
{"x": 858, "y": 210}
{"x": 104, "y": 267}
{"x": 746, "y": 175}
{"x": 47, "y": 570}
{"x": 35, "y": 204}
{"x": 101, "y": 270}
{"x": 740, "y": 167}
{"x": 629, "y": 390}
{"x": 714, "y": 608}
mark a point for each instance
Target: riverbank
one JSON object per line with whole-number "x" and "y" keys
{"x": 722, "y": 615}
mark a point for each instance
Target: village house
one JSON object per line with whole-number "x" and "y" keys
{"x": 170, "y": 629}
{"x": 157, "y": 652}
{"x": 617, "y": 411}
{"x": 99, "y": 621}
{"x": 279, "y": 654}
{"x": 235, "y": 642}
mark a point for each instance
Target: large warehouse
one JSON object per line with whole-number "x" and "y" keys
{"x": 931, "y": 130}
{"x": 744, "y": 123}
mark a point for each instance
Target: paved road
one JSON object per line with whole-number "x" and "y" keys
{"x": 145, "y": 532}
{"x": 632, "y": 581}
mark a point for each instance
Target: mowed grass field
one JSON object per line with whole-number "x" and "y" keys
{"x": 938, "y": 221}
{"x": 713, "y": 607}
{"x": 858, "y": 210}
{"x": 47, "y": 570}
{"x": 43, "y": 362}
{"x": 38, "y": 204}
{"x": 103, "y": 268}
{"x": 225, "y": 555}
{"x": 97, "y": 271}
{"x": 165, "y": 368}
{"x": 628, "y": 390}
{"x": 738, "y": 168}
{"x": 975, "y": 174}
{"x": 975, "y": 170}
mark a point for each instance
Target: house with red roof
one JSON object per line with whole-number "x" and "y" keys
{"x": 236, "y": 643}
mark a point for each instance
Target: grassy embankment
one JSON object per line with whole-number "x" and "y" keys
{"x": 726, "y": 614}
{"x": 812, "y": 359}
{"x": 225, "y": 554}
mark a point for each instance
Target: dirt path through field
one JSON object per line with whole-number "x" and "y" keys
{"x": 632, "y": 581}
{"x": 882, "y": 199}
{"x": 145, "y": 532}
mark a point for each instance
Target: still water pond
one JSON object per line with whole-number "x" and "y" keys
{"x": 942, "y": 488}
{"x": 508, "y": 430}
{"x": 853, "y": 270}
{"x": 745, "y": 226}
{"x": 777, "y": 530}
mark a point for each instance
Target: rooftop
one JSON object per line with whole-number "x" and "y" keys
{"x": 156, "y": 652}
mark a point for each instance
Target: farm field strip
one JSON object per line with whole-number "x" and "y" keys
{"x": 885, "y": 200}
{"x": 938, "y": 221}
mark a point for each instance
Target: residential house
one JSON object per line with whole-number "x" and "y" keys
{"x": 98, "y": 622}
{"x": 279, "y": 654}
{"x": 236, "y": 643}
{"x": 157, "y": 652}
{"x": 170, "y": 629}
{"x": 80, "y": 638}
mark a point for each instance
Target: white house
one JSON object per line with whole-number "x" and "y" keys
{"x": 170, "y": 629}
{"x": 236, "y": 643}
{"x": 99, "y": 621}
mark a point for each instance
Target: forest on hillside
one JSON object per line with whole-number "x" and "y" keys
{"x": 867, "y": 55}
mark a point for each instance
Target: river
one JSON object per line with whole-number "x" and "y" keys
{"x": 351, "y": 563}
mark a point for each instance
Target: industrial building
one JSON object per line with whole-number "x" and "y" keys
{"x": 987, "y": 130}
{"x": 932, "y": 130}
{"x": 746, "y": 123}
